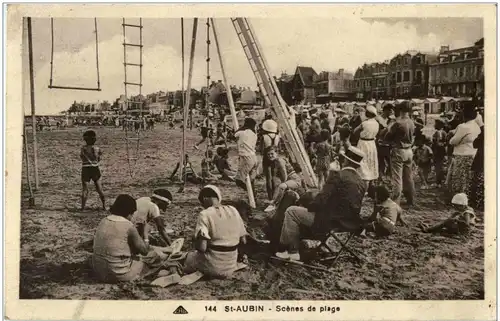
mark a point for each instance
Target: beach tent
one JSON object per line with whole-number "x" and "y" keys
{"x": 432, "y": 105}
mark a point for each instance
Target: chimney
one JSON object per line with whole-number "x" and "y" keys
{"x": 444, "y": 48}
{"x": 341, "y": 72}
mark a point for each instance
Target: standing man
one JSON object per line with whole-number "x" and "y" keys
{"x": 383, "y": 147}
{"x": 400, "y": 136}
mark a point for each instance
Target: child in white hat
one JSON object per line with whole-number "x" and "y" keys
{"x": 460, "y": 222}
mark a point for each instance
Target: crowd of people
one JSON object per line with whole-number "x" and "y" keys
{"x": 358, "y": 156}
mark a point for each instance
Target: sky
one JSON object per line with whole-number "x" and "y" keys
{"x": 324, "y": 44}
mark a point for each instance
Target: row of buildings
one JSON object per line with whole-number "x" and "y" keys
{"x": 450, "y": 72}
{"x": 162, "y": 102}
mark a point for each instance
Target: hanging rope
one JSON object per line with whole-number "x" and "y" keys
{"x": 51, "y": 81}
{"x": 52, "y": 49}
{"x": 208, "y": 65}
{"x": 97, "y": 53}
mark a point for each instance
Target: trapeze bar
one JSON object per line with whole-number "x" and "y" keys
{"x": 132, "y": 45}
{"x": 74, "y": 88}
{"x": 130, "y": 25}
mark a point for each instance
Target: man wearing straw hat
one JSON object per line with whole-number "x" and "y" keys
{"x": 338, "y": 204}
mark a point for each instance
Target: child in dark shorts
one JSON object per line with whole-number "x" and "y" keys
{"x": 386, "y": 214}
{"x": 91, "y": 156}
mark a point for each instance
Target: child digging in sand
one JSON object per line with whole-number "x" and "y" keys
{"x": 91, "y": 156}
{"x": 386, "y": 214}
{"x": 460, "y": 222}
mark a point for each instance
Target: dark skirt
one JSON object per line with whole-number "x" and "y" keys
{"x": 476, "y": 191}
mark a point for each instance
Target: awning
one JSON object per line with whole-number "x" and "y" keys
{"x": 446, "y": 99}
{"x": 458, "y": 99}
{"x": 431, "y": 100}
{"x": 417, "y": 101}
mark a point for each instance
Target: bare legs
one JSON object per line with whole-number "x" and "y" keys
{"x": 85, "y": 193}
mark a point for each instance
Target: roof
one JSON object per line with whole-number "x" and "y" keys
{"x": 306, "y": 75}
{"x": 285, "y": 78}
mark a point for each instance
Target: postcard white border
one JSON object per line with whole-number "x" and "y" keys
{"x": 162, "y": 310}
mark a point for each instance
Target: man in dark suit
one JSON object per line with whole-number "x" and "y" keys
{"x": 338, "y": 204}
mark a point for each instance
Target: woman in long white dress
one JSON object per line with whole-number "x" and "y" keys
{"x": 367, "y": 133}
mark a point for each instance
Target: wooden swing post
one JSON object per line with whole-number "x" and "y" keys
{"x": 188, "y": 97}
{"x": 32, "y": 100}
{"x": 230, "y": 100}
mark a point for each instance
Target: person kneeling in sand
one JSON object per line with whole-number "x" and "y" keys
{"x": 460, "y": 222}
{"x": 219, "y": 232}
{"x": 117, "y": 244}
{"x": 386, "y": 214}
{"x": 148, "y": 211}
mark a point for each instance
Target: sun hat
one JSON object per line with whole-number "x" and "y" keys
{"x": 416, "y": 113}
{"x": 213, "y": 188}
{"x": 340, "y": 110}
{"x": 372, "y": 109}
{"x": 354, "y": 155}
{"x": 460, "y": 199}
{"x": 270, "y": 126}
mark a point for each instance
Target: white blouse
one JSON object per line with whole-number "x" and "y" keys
{"x": 369, "y": 129}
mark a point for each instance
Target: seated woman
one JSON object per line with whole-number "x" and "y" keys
{"x": 117, "y": 243}
{"x": 218, "y": 233}
{"x": 287, "y": 175}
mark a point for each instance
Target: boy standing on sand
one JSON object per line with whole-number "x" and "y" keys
{"x": 91, "y": 156}
{"x": 247, "y": 140}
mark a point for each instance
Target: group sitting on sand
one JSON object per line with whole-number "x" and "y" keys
{"x": 122, "y": 253}
{"x": 121, "y": 250}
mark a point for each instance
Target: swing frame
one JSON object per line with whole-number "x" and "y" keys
{"x": 51, "y": 82}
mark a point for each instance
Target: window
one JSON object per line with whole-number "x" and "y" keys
{"x": 464, "y": 89}
{"x": 481, "y": 54}
{"x": 461, "y": 72}
{"x": 418, "y": 76}
{"x": 418, "y": 60}
{"x": 453, "y": 58}
{"x": 398, "y": 77}
{"x": 454, "y": 72}
{"x": 438, "y": 90}
{"x": 465, "y": 55}
{"x": 406, "y": 90}
{"x": 406, "y": 76}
